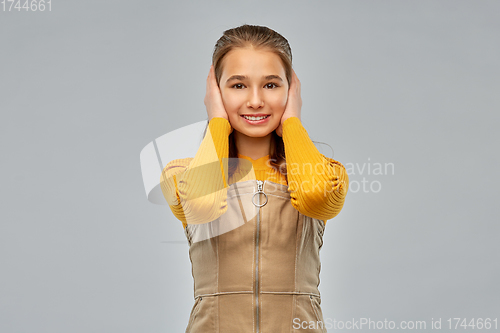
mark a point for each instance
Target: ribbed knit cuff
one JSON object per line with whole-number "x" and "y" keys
{"x": 220, "y": 125}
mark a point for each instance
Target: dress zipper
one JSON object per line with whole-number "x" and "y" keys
{"x": 260, "y": 184}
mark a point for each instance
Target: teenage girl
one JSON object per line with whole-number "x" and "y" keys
{"x": 255, "y": 199}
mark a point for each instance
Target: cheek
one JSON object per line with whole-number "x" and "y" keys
{"x": 231, "y": 103}
{"x": 278, "y": 102}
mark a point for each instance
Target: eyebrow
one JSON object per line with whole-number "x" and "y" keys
{"x": 243, "y": 77}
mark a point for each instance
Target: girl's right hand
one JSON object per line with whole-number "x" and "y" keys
{"x": 213, "y": 98}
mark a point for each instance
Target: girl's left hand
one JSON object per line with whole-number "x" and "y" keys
{"x": 293, "y": 104}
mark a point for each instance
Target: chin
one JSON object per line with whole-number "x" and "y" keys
{"x": 256, "y": 134}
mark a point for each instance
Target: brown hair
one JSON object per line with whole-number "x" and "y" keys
{"x": 259, "y": 37}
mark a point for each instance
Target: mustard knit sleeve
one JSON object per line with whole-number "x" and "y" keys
{"x": 317, "y": 184}
{"x": 196, "y": 188}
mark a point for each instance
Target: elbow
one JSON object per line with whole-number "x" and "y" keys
{"x": 335, "y": 197}
{"x": 322, "y": 201}
{"x": 206, "y": 208}
{"x": 169, "y": 190}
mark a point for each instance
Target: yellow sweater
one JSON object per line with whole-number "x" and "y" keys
{"x": 196, "y": 188}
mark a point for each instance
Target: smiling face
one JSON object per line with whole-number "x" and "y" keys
{"x": 253, "y": 84}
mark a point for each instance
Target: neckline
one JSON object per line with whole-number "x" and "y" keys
{"x": 265, "y": 158}
{"x": 259, "y": 164}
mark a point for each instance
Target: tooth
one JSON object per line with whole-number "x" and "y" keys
{"x": 254, "y": 118}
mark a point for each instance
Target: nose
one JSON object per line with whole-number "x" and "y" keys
{"x": 255, "y": 99}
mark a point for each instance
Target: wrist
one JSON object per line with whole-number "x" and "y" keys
{"x": 220, "y": 121}
{"x": 283, "y": 119}
{"x": 210, "y": 118}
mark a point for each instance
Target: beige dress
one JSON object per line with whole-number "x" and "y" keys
{"x": 256, "y": 268}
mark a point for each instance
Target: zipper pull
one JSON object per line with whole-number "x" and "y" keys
{"x": 260, "y": 185}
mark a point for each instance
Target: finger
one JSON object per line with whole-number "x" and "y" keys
{"x": 296, "y": 83}
{"x": 208, "y": 82}
{"x": 296, "y": 78}
{"x": 212, "y": 76}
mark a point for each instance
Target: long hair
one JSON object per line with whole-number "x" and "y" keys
{"x": 262, "y": 38}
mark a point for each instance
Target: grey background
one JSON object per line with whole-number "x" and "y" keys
{"x": 86, "y": 86}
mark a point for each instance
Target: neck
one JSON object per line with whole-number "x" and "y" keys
{"x": 253, "y": 147}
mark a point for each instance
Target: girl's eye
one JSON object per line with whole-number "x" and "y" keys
{"x": 270, "y": 85}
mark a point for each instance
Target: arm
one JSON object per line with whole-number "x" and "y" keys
{"x": 196, "y": 188}
{"x": 168, "y": 183}
{"x": 318, "y": 184}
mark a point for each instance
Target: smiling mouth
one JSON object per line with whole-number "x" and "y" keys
{"x": 255, "y": 118}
